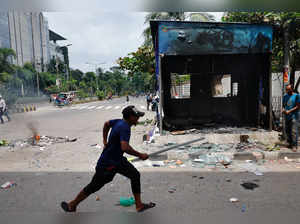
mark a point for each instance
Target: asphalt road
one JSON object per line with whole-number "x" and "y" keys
{"x": 81, "y": 121}
{"x": 68, "y": 120}
{"x": 181, "y": 197}
{"x": 184, "y": 195}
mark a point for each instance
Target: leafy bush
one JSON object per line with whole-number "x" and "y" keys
{"x": 100, "y": 94}
{"x": 52, "y": 89}
{"x": 82, "y": 94}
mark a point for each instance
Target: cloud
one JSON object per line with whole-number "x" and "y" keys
{"x": 98, "y": 36}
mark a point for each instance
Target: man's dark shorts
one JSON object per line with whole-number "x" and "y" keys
{"x": 105, "y": 175}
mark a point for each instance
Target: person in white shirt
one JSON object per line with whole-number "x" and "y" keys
{"x": 3, "y": 110}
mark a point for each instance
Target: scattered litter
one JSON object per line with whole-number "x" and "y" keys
{"x": 201, "y": 178}
{"x": 127, "y": 201}
{"x": 287, "y": 159}
{"x": 198, "y": 160}
{"x": 97, "y": 146}
{"x": 8, "y": 184}
{"x": 272, "y": 148}
{"x": 3, "y": 142}
{"x": 234, "y": 200}
{"x": 258, "y": 173}
{"x": 228, "y": 180}
{"x": 243, "y": 208}
{"x": 172, "y": 190}
{"x": 213, "y": 159}
{"x": 158, "y": 163}
{"x": 244, "y": 138}
{"x": 252, "y": 168}
{"x": 178, "y": 133}
{"x": 179, "y": 162}
{"x": 72, "y": 140}
{"x": 40, "y": 141}
{"x": 249, "y": 185}
{"x": 97, "y": 198}
{"x": 145, "y": 138}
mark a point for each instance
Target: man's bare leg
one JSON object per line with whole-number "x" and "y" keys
{"x": 79, "y": 198}
{"x": 141, "y": 206}
{"x": 138, "y": 202}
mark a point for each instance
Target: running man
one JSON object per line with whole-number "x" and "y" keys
{"x": 112, "y": 160}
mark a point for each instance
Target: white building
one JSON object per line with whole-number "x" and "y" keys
{"x": 27, "y": 33}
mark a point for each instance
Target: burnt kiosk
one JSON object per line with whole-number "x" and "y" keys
{"x": 213, "y": 73}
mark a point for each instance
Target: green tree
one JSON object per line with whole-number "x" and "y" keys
{"x": 140, "y": 62}
{"x": 200, "y": 17}
{"x": 179, "y": 16}
{"x": 46, "y": 79}
{"x": 77, "y": 75}
{"x": 56, "y": 66}
{"x": 6, "y": 54}
{"x": 281, "y": 22}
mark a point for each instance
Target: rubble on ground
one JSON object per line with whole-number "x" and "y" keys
{"x": 40, "y": 141}
{"x": 208, "y": 154}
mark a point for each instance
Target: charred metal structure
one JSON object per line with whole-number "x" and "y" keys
{"x": 213, "y": 73}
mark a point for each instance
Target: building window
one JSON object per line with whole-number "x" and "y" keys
{"x": 221, "y": 86}
{"x": 235, "y": 89}
{"x": 180, "y": 86}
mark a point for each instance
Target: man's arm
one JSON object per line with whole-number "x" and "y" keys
{"x": 106, "y": 128}
{"x": 294, "y": 108}
{"x": 129, "y": 150}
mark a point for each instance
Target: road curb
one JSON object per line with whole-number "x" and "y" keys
{"x": 265, "y": 155}
{"x": 290, "y": 155}
{"x": 24, "y": 108}
{"x": 244, "y": 156}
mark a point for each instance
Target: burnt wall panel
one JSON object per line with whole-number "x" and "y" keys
{"x": 246, "y": 70}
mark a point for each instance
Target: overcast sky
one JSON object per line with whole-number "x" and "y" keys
{"x": 99, "y": 37}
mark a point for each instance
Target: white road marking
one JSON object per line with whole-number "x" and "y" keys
{"x": 107, "y": 108}
{"x": 74, "y": 108}
{"x": 117, "y": 107}
{"x": 91, "y": 107}
{"x": 143, "y": 107}
{"x": 83, "y": 107}
{"x": 98, "y": 108}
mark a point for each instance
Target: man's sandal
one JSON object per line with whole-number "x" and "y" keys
{"x": 147, "y": 206}
{"x": 65, "y": 206}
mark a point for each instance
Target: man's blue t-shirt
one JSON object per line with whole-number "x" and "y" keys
{"x": 289, "y": 102}
{"x": 112, "y": 154}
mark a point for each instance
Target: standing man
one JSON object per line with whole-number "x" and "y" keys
{"x": 291, "y": 105}
{"x": 112, "y": 160}
{"x": 3, "y": 110}
{"x": 149, "y": 100}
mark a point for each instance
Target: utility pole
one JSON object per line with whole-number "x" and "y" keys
{"x": 96, "y": 72}
{"x": 37, "y": 78}
{"x": 286, "y": 68}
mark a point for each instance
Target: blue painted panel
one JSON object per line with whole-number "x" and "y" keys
{"x": 176, "y": 38}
